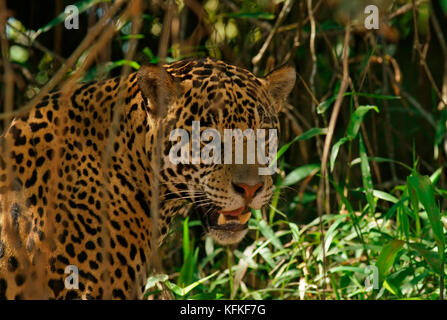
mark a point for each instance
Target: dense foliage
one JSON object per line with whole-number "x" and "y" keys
{"x": 375, "y": 98}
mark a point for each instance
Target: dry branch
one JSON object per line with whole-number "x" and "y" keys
{"x": 328, "y": 140}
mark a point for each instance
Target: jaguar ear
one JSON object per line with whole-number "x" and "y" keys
{"x": 159, "y": 87}
{"x": 280, "y": 83}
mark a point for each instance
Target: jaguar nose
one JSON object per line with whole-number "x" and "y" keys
{"x": 246, "y": 190}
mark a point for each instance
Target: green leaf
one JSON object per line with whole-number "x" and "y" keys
{"x": 356, "y": 119}
{"x": 305, "y": 136}
{"x": 15, "y": 30}
{"x": 184, "y": 291}
{"x": 424, "y": 191}
{"x": 190, "y": 257}
{"x": 132, "y": 36}
{"x": 391, "y": 288}
{"x": 435, "y": 176}
{"x": 380, "y": 160}
{"x": 394, "y": 208}
{"x": 324, "y": 105}
{"x": 153, "y": 280}
{"x": 267, "y": 256}
{"x": 300, "y": 173}
{"x": 334, "y": 151}
{"x": 403, "y": 222}
{"x": 295, "y": 231}
{"x": 92, "y": 74}
{"x": 440, "y": 127}
{"x": 385, "y": 196}
{"x": 431, "y": 257}
{"x": 443, "y": 4}
{"x": 268, "y": 233}
{"x": 387, "y": 256}
{"x": 186, "y": 243}
{"x": 18, "y": 54}
{"x": 82, "y": 5}
{"x": 252, "y": 15}
{"x": 347, "y": 269}
{"x": 353, "y": 128}
{"x": 366, "y": 177}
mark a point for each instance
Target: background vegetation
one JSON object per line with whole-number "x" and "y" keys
{"x": 362, "y": 179}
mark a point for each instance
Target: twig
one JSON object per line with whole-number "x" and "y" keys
{"x": 312, "y": 48}
{"x": 60, "y": 74}
{"x": 368, "y": 145}
{"x": 441, "y": 38}
{"x": 9, "y": 72}
{"x": 133, "y": 10}
{"x": 157, "y": 149}
{"x": 263, "y": 25}
{"x": 36, "y": 44}
{"x": 387, "y": 124}
{"x": 328, "y": 139}
{"x": 308, "y": 90}
{"x": 299, "y": 24}
{"x": 405, "y": 8}
{"x": 422, "y": 57}
{"x": 284, "y": 11}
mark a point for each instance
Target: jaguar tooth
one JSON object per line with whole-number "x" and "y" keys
{"x": 243, "y": 218}
{"x": 221, "y": 219}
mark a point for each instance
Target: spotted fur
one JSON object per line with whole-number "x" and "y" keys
{"x": 76, "y": 190}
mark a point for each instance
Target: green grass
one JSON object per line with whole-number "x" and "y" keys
{"x": 398, "y": 232}
{"x": 283, "y": 260}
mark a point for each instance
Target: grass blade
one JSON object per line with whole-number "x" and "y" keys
{"x": 366, "y": 177}
{"x": 356, "y": 119}
{"x": 387, "y": 256}
{"x": 424, "y": 190}
{"x": 300, "y": 173}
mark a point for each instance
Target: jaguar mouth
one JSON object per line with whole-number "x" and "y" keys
{"x": 227, "y": 227}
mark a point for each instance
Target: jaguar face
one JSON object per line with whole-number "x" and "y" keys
{"x": 219, "y": 112}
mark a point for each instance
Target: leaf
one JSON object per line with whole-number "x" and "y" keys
{"x": 424, "y": 190}
{"x": 366, "y": 177}
{"x": 380, "y": 160}
{"x": 443, "y": 4}
{"x": 431, "y": 257}
{"x": 305, "y": 136}
{"x": 347, "y": 269}
{"x": 356, "y": 119}
{"x": 393, "y": 209}
{"x": 324, "y": 105}
{"x": 268, "y": 233}
{"x": 334, "y": 151}
{"x": 390, "y": 287}
{"x": 186, "y": 244}
{"x": 190, "y": 257}
{"x": 440, "y": 128}
{"x": 132, "y": 36}
{"x": 387, "y": 256}
{"x": 267, "y": 256}
{"x": 184, "y": 291}
{"x": 252, "y": 15}
{"x": 300, "y": 173}
{"x": 351, "y": 133}
{"x": 385, "y": 196}
{"x": 435, "y": 176}
{"x": 92, "y": 74}
{"x": 82, "y": 5}
{"x": 153, "y": 280}
{"x": 295, "y": 231}
{"x": 403, "y": 221}
{"x": 18, "y": 54}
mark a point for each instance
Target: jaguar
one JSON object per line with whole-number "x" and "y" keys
{"x": 79, "y": 175}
